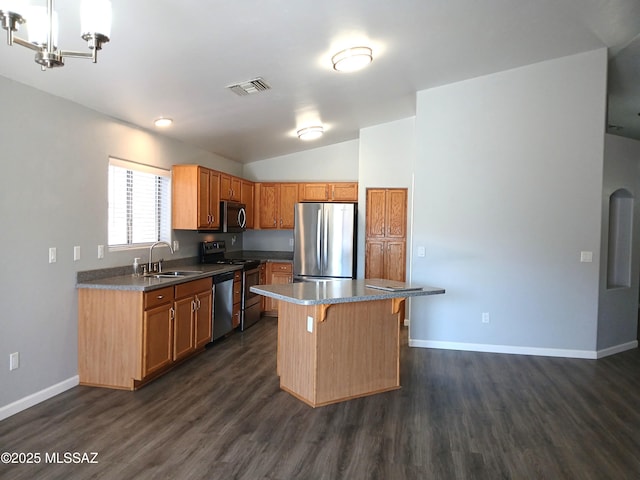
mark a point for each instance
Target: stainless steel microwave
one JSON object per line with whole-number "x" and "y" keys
{"x": 233, "y": 217}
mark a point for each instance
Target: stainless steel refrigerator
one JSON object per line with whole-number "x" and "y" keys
{"x": 324, "y": 241}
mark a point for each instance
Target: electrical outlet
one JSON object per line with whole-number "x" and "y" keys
{"x": 76, "y": 254}
{"x": 52, "y": 255}
{"x": 14, "y": 361}
{"x": 176, "y": 245}
{"x": 291, "y": 242}
{"x": 310, "y": 324}
{"x": 485, "y": 317}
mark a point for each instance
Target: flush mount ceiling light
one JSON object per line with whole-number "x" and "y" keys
{"x": 162, "y": 122}
{"x": 352, "y": 59}
{"x": 310, "y": 133}
{"x": 42, "y": 26}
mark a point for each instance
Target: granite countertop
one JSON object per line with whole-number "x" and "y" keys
{"x": 129, "y": 282}
{"x": 340, "y": 291}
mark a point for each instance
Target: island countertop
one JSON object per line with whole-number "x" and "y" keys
{"x": 342, "y": 291}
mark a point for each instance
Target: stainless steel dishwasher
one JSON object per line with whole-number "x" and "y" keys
{"x": 222, "y": 317}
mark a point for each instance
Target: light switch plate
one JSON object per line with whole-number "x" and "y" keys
{"x": 76, "y": 253}
{"x": 586, "y": 257}
{"x": 52, "y": 255}
{"x": 310, "y": 324}
{"x": 100, "y": 251}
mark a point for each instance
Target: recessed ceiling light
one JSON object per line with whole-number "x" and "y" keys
{"x": 163, "y": 122}
{"x": 310, "y": 133}
{"x": 352, "y": 59}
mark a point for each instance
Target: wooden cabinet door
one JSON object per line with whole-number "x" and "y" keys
{"x": 396, "y": 214}
{"x": 374, "y": 266}
{"x": 157, "y": 335}
{"x": 268, "y": 205}
{"x": 288, "y": 200}
{"x": 247, "y": 197}
{"x": 204, "y": 204}
{"x": 214, "y": 198}
{"x": 229, "y": 187}
{"x": 225, "y": 187}
{"x": 344, "y": 192}
{"x": 376, "y": 213}
{"x": 183, "y": 334}
{"x": 314, "y": 192}
{"x": 203, "y": 325}
{"x": 277, "y": 278}
{"x": 395, "y": 260}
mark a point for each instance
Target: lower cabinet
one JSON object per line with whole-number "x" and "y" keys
{"x": 126, "y": 338}
{"x": 277, "y": 273}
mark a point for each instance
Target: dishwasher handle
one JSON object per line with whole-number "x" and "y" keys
{"x": 222, "y": 277}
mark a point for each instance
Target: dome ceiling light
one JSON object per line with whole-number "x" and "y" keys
{"x": 352, "y": 59}
{"x": 310, "y": 133}
{"x": 162, "y": 122}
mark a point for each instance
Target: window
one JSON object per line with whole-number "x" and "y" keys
{"x": 139, "y": 204}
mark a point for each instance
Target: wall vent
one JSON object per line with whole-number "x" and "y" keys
{"x": 250, "y": 87}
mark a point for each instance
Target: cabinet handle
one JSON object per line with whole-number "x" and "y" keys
{"x": 198, "y": 303}
{"x": 172, "y": 313}
{"x": 160, "y": 297}
{"x": 193, "y": 305}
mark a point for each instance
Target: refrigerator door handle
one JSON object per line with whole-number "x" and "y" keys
{"x": 325, "y": 252}
{"x": 318, "y": 241}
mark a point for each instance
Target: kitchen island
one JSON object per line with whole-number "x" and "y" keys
{"x": 340, "y": 339}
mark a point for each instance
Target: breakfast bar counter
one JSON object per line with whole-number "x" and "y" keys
{"x": 340, "y": 339}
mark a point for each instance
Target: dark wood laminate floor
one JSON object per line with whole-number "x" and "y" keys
{"x": 459, "y": 415}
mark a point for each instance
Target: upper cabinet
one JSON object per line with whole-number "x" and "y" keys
{"x": 195, "y": 192}
{"x": 230, "y": 187}
{"x": 328, "y": 192}
{"x": 247, "y": 196}
{"x": 275, "y": 205}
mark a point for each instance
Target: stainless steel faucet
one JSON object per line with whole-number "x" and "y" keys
{"x": 150, "y": 267}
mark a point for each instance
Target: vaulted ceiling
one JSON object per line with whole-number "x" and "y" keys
{"x": 175, "y": 59}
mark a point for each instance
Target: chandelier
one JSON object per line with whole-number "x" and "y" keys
{"x": 42, "y": 28}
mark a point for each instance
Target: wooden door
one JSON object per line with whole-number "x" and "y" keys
{"x": 268, "y": 205}
{"x": 203, "y": 323}
{"x": 204, "y": 204}
{"x": 344, "y": 192}
{"x": 376, "y": 213}
{"x": 313, "y": 192}
{"x": 386, "y": 233}
{"x": 183, "y": 334}
{"x": 214, "y": 198}
{"x": 374, "y": 254}
{"x": 395, "y": 260}
{"x": 396, "y": 213}
{"x": 157, "y": 333}
{"x": 247, "y": 197}
{"x": 288, "y": 200}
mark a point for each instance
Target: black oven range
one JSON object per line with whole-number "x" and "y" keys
{"x": 214, "y": 252}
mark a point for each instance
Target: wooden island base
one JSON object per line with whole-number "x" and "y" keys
{"x": 352, "y": 350}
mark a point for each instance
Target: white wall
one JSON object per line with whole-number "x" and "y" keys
{"x": 338, "y": 162}
{"x": 618, "y": 307}
{"x": 386, "y": 158}
{"x": 53, "y": 192}
{"x": 508, "y": 182}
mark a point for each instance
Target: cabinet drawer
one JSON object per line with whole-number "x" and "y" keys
{"x": 189, "y": 289}
{"x": 281, "y": 267}
{"x": 158, "y": 297}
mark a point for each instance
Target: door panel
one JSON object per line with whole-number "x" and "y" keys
{"x": 337, "y": 241}
{"x": 307, "y": 239}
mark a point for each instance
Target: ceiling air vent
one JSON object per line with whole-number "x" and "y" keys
{"x": 250, "y": 87}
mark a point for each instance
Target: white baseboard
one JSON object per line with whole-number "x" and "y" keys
{"x": 509, "y": 349}
{"x": 38, "y": 397}
{"x": 617, "y": 349}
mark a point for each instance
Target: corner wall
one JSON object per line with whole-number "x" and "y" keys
{"x": 508, "y": 183}
{"x": 618, "y": 307}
